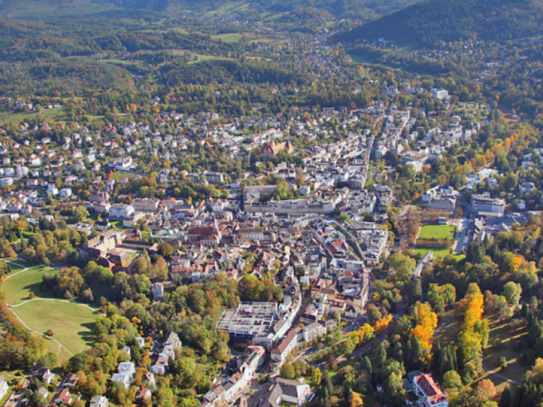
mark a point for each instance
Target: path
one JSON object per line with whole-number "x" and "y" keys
{"x": 443, "y": 325}
{"x": 56, "y": 299}
{"x": 24, "y": 268}
{"x": 507, "y": 379}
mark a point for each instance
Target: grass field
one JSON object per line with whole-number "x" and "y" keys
{"x": 437, "y": 232}
{"x": 438, "y": 253}
{"x": 232, "y": 37}
{"x": 49, "y": 113}
{"x": 19, "y": 287}
{"x": 508, "y": 337}
{"x": 72, "y": 323}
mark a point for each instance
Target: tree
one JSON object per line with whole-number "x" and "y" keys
{"x": 535, "y": 375}
{"x": 505, "y": 400}
{"x": 316, "y": 376}
{"x": 485, "y": 391}
{"x": 365, "y": 333}
{"x": 287, "y": 371}
{"x": 403, "y": 266}
{"x": 165, "y": 250}
{"x": 81, "y": 213}
{"x": 356, "y": 400}
{"x": 373, "y": 314}
{"x": 394, "y": 390}
{"x": 512, "y": 292}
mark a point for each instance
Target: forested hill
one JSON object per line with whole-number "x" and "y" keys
{"x": 432, "y": 21}
{"x": 356, "y": 9}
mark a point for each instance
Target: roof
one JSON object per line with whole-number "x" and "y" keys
{"x": 286, "y": 341}
{"x": 430, "y": 387}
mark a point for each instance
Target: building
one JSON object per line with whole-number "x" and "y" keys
{"x": 485, "y": 205}
{"x": 283, "y": 391}
{"x": 99, "y": 401}
{"x": 312, "y": 331}
{"x": 206, "y": 236}
{"x": 256, "y": 321}
{"x": 429, "y": 392}
{"x": 273, "y": 149}
{"x": 4, "y": 388}
{"x": 235, "y": 377}
{"x": 145, "y": 204}
{"x": 121, "y": 212}
{"x": 158, "y": 291}
{"x": 64, "y": 397}
{"x": 173, "y": 340}
{"x": 440, "y": 94}
{"x": 281, "y": 352}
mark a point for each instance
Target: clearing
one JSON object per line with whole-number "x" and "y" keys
{"x": 232, "y": 37}
{"x": 437, "y": 232}
{"x": 72, "y": 323}
{"x": 19, "y": 286}
{"x": 504, "y": 340}
{"x": 438, "y": 252}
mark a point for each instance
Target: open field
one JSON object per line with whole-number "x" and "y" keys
{"x": 438, "y": 252}
{"x": 53, "y": 114}
{"x": 19, "y": 286}
{"x": 504, "y": 340}
{"x": 436, "y": 232}
{"x": 232, "y": 37}
{"x": 72, "y": 323}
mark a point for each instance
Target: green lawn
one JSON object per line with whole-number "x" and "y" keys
{"x": 18, "y": 287}
{"x": 508, "y": 338}
{"x": 117, "y": 175}
{"x": 437, "y": 232}
{"x": 232, "y": 37}
{"x": 72, "y": 323}
{"x": 53, "y": 114}
{"x": 438, "y": 252}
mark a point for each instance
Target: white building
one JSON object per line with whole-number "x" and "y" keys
{"x": 429, "y": 392}
{"x": 99, "y": 401}
{"x": 4, "y": 388}
{"x": 121, "y": 212}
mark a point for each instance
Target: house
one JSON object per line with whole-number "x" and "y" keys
{"x": 64, "y": 397}
{"x": 527, "y": 187}
{"x": 158, "y": 291}
{"x": 99, "y": 401}
{"x": 121, "y": 378}
{"x": 4, "y": 388}
{"x": 44, "y": 375}
{"x": 160, "y": 367}
{"x": 71, "y": 380}
{"x": 283, "y": 391}
{"x": 273, "y": 149}
{"x": 143, "y": 394}
{"x": 173, "y": 340}
{"x": 429, "y": 392}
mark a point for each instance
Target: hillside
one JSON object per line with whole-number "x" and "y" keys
{"x": 432, "y": 21}
{"x": 253, "y": 9}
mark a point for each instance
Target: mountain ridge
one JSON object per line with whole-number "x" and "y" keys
{"x": 49, "y": 9}
{"x": 432, "y": 21}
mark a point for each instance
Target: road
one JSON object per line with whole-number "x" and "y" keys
{"x": 493, "y": 372}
